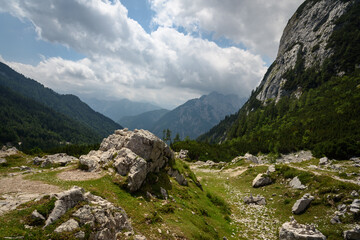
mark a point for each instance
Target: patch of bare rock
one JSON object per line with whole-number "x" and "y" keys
{"x": 59, "y": 159}
{"x": 8, "y": 151}
{"x": 134, "y": 154}
{"x": 106, "y": 221}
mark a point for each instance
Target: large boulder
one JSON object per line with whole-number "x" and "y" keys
{"x": 133, "y": 154}
{"x": 293, "y": 230}
{"x": 302, "y": 204}
{"x": 261, "y": 180}
{"x": 353, "y": 234}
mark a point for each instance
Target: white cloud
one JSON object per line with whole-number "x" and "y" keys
{"x": 258, "y": 24}
{"x": 123, "y": 61}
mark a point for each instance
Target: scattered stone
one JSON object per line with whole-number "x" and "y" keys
{"x": 149, "y": 196}
{"x": 258, "y": 200}
{"x": 271, "y": 169}
{"x": 64, "y": 202}
{"x": 3, "y": 161}
{"x": 335, "y": 220}
{"x": 183, "y": 154}
{"x": 37, "y": 217}
{"x": 164, "y": 193}
{"x": 295, "y": 183}
{"x": 79, "y": 235}
{"x": 353, "y": 234}
{"x": 139, "y": 237}
{"x": 261, "y": 180}
{"x": 342, "y": 208}
{"x": 67, "y": 226}
{"x": 293, "y": 230}
{"x": 354, "y": 194}
{"x": 324, "y": 161}
{"x": 134, "y": 154}
{"x": 302, "y": 204}
{"x": 210, "y": 163}
{"x": 59, "y": 159}
{"x": 178, "y": 177}
{"x": 355, "y": 206}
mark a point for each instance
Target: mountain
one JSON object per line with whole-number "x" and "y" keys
{"x": 117, "y": 109}
{"x": 69, "y": 105}
{"x": 143, "y": 121}
{"x": 310, "y": 96}
{"x": 35, "y": 125}
{"x": 197, "y": 116}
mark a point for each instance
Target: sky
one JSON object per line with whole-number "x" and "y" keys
{"x": 160, "y": 51}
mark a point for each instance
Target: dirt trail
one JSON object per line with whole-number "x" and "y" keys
{"x": 78, "y": 175}
{"x": 16, "y": 190}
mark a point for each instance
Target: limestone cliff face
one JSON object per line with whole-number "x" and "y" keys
{"x": 306, "y": 35}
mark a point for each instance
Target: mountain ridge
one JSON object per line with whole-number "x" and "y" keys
{"x": 277, "y": 106}
{"x": 69, "y": 105}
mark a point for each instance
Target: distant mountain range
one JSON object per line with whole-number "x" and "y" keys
{"x": 190, "y": 119}
{"x": 116, "y": 109}
{"x": 92, "y": 125}
{"x": 145, "y": 120}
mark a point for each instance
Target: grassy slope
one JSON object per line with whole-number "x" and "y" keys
{"x": 196, "y": 214}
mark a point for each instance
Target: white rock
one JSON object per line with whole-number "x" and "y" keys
{"x": 295, "y": 231}
{"x": 68, "y": 226}
{"x": 261, "y": 180}
{"x": 295, "y": 183}
{"x": 302, "y": 204}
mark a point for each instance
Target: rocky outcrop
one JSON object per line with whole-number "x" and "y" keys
{"x": 306, "y": 36}
{"x": 64, "y": 202}
{"x": 295, "y": 183}
{"x": 133, "y": 153}
{"x": 105, "y": 220}
{"x": 353, "y": 234}
{"x": 8, "y": 151}
{"x": 261, "y": 180}
{"x": 302, "y": 204}
{"x": 293, "y": 230}
{"x": 59, "y": 159}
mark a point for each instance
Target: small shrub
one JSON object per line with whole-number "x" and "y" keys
{"x": 287, "y": 201}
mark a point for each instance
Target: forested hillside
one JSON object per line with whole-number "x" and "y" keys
{"x": 34, "y": 125}
{"x": 69, "y": 105}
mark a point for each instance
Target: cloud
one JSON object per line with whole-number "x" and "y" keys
{"x": 166, "y": 66}
{"x": 257, "y": 24}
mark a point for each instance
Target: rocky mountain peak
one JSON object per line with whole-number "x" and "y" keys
{"x": 304, "y": 39}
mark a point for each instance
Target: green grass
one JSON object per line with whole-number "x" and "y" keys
{"x": 192, "y": 214}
